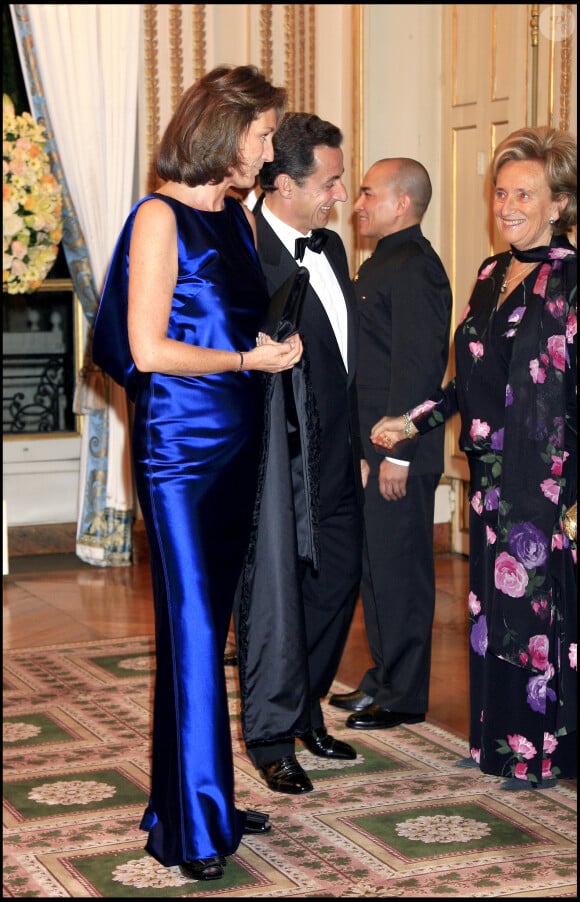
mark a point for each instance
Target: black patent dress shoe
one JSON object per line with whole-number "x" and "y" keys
{"x": 320, "y": 743}
{"x": 204, "y": 868}
{"x": 286, "y": 775}
{"x": 257, "y": 822}
{"x": 373, "y": 717}
{"x": 351, "y": 701}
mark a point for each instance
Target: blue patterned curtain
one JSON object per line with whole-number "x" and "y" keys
{"x": 104, "y": 529}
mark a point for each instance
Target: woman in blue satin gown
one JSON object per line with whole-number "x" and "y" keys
{"x": 183, "y": 302}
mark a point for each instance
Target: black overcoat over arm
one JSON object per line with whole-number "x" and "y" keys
{"x": 269, "y": 612}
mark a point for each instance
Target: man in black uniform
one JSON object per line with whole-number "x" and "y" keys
{"x": 405, "y": 316}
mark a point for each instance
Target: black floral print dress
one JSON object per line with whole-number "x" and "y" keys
{"x": 515, "y": 388}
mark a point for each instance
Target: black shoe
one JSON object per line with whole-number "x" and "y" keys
{"x": 286, "y": 775}
{"x": 514, "y": 784}
{"x": 320, "y": 743}
{"x": 230, "y": 659}
{"x": 204, "y": 868}
{"x": 351, "y": 701}
{"x": 373, "y": 717}
{"x": 257, "y": 822}
{"x": 466, "y": 762}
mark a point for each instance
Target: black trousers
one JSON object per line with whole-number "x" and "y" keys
{"x": 398, "y": 594}
{"x": 329, "y": 596}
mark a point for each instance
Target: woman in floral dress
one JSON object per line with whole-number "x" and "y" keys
{"x": 515, "y": 388}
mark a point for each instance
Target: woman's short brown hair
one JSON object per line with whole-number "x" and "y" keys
{"x": 201, "y": 143}
{"x": 556, "y": 151}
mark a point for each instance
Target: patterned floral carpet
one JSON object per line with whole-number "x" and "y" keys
{"x": 401, "y": 820}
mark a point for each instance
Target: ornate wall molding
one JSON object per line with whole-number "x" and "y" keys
{"x": 534, "y": 42}
{"x": 553, "y": 42}
{"x": 290, "y": 53}
{"x": 176, "y": 55}
{"x": 302, "y": 48}
{"x": 358, "y": 114}
{"x": 300, "y": 56}
{"x": 151, "y": 82}
{"x": 565, "y": 66}
{"x": 311, "y": 57}
{"x": 266, "y": 47}
{"x": 199, "y": 40}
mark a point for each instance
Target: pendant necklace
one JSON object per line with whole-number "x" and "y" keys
{"x": 518, "y": 275}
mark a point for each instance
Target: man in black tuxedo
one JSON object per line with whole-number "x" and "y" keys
{"x": 405, "y": 315}
{"x": 300, "y": 187}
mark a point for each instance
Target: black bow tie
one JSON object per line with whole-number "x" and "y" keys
{"x": 315, "y": 241}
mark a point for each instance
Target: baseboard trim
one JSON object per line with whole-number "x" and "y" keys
{"x": 60, "y": 538}
{"x": 55, "y": 538}
{"x": 442, "y": 538}
{"x": 51, "y": 538}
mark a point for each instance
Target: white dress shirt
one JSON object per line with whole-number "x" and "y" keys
{"x": 322, "y": 278}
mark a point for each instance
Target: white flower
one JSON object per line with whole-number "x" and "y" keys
{"x": 442, "y": 829}
{"x": 145, "y": 873}
{"x": 32, "y": 204}
{"x": 17, "y": 732}
{"x": 72, "y": 792}
{"x": 143, "y": 662}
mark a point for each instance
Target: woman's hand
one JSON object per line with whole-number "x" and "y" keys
{"x": 271, "y": 356}
{"x": 388, "y": 431}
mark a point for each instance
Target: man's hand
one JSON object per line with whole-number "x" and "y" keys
{"x": 392, "y": 480}
{"x": 364, "y": 472}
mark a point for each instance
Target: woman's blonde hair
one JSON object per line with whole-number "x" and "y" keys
{"x": 556, "y": 151}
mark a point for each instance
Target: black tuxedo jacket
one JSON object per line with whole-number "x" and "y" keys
{"x": 334, "y": 388}
{"x": 405, "y": 316}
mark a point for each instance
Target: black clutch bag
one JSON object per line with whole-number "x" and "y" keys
{"x": 285, "y": 310}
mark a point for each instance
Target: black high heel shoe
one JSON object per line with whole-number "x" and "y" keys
{"x": 257, "y": 822}
{"x": 204, "y": 868}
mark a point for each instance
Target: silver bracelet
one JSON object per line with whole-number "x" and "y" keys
{"x": 407, "y": 427}
{"x": 241, "y": 366}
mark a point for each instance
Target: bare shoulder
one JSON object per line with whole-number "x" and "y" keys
{"x": 155, "y": 213}
{"x": 154, "y": 227}
{"x": 154, "y": 206}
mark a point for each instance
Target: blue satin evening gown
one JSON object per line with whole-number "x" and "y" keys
{"x": 196, "y": 447}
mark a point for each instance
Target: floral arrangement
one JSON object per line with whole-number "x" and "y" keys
{"x": 32, "y": 204}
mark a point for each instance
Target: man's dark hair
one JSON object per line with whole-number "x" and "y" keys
{"x": 294, "y": 142}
